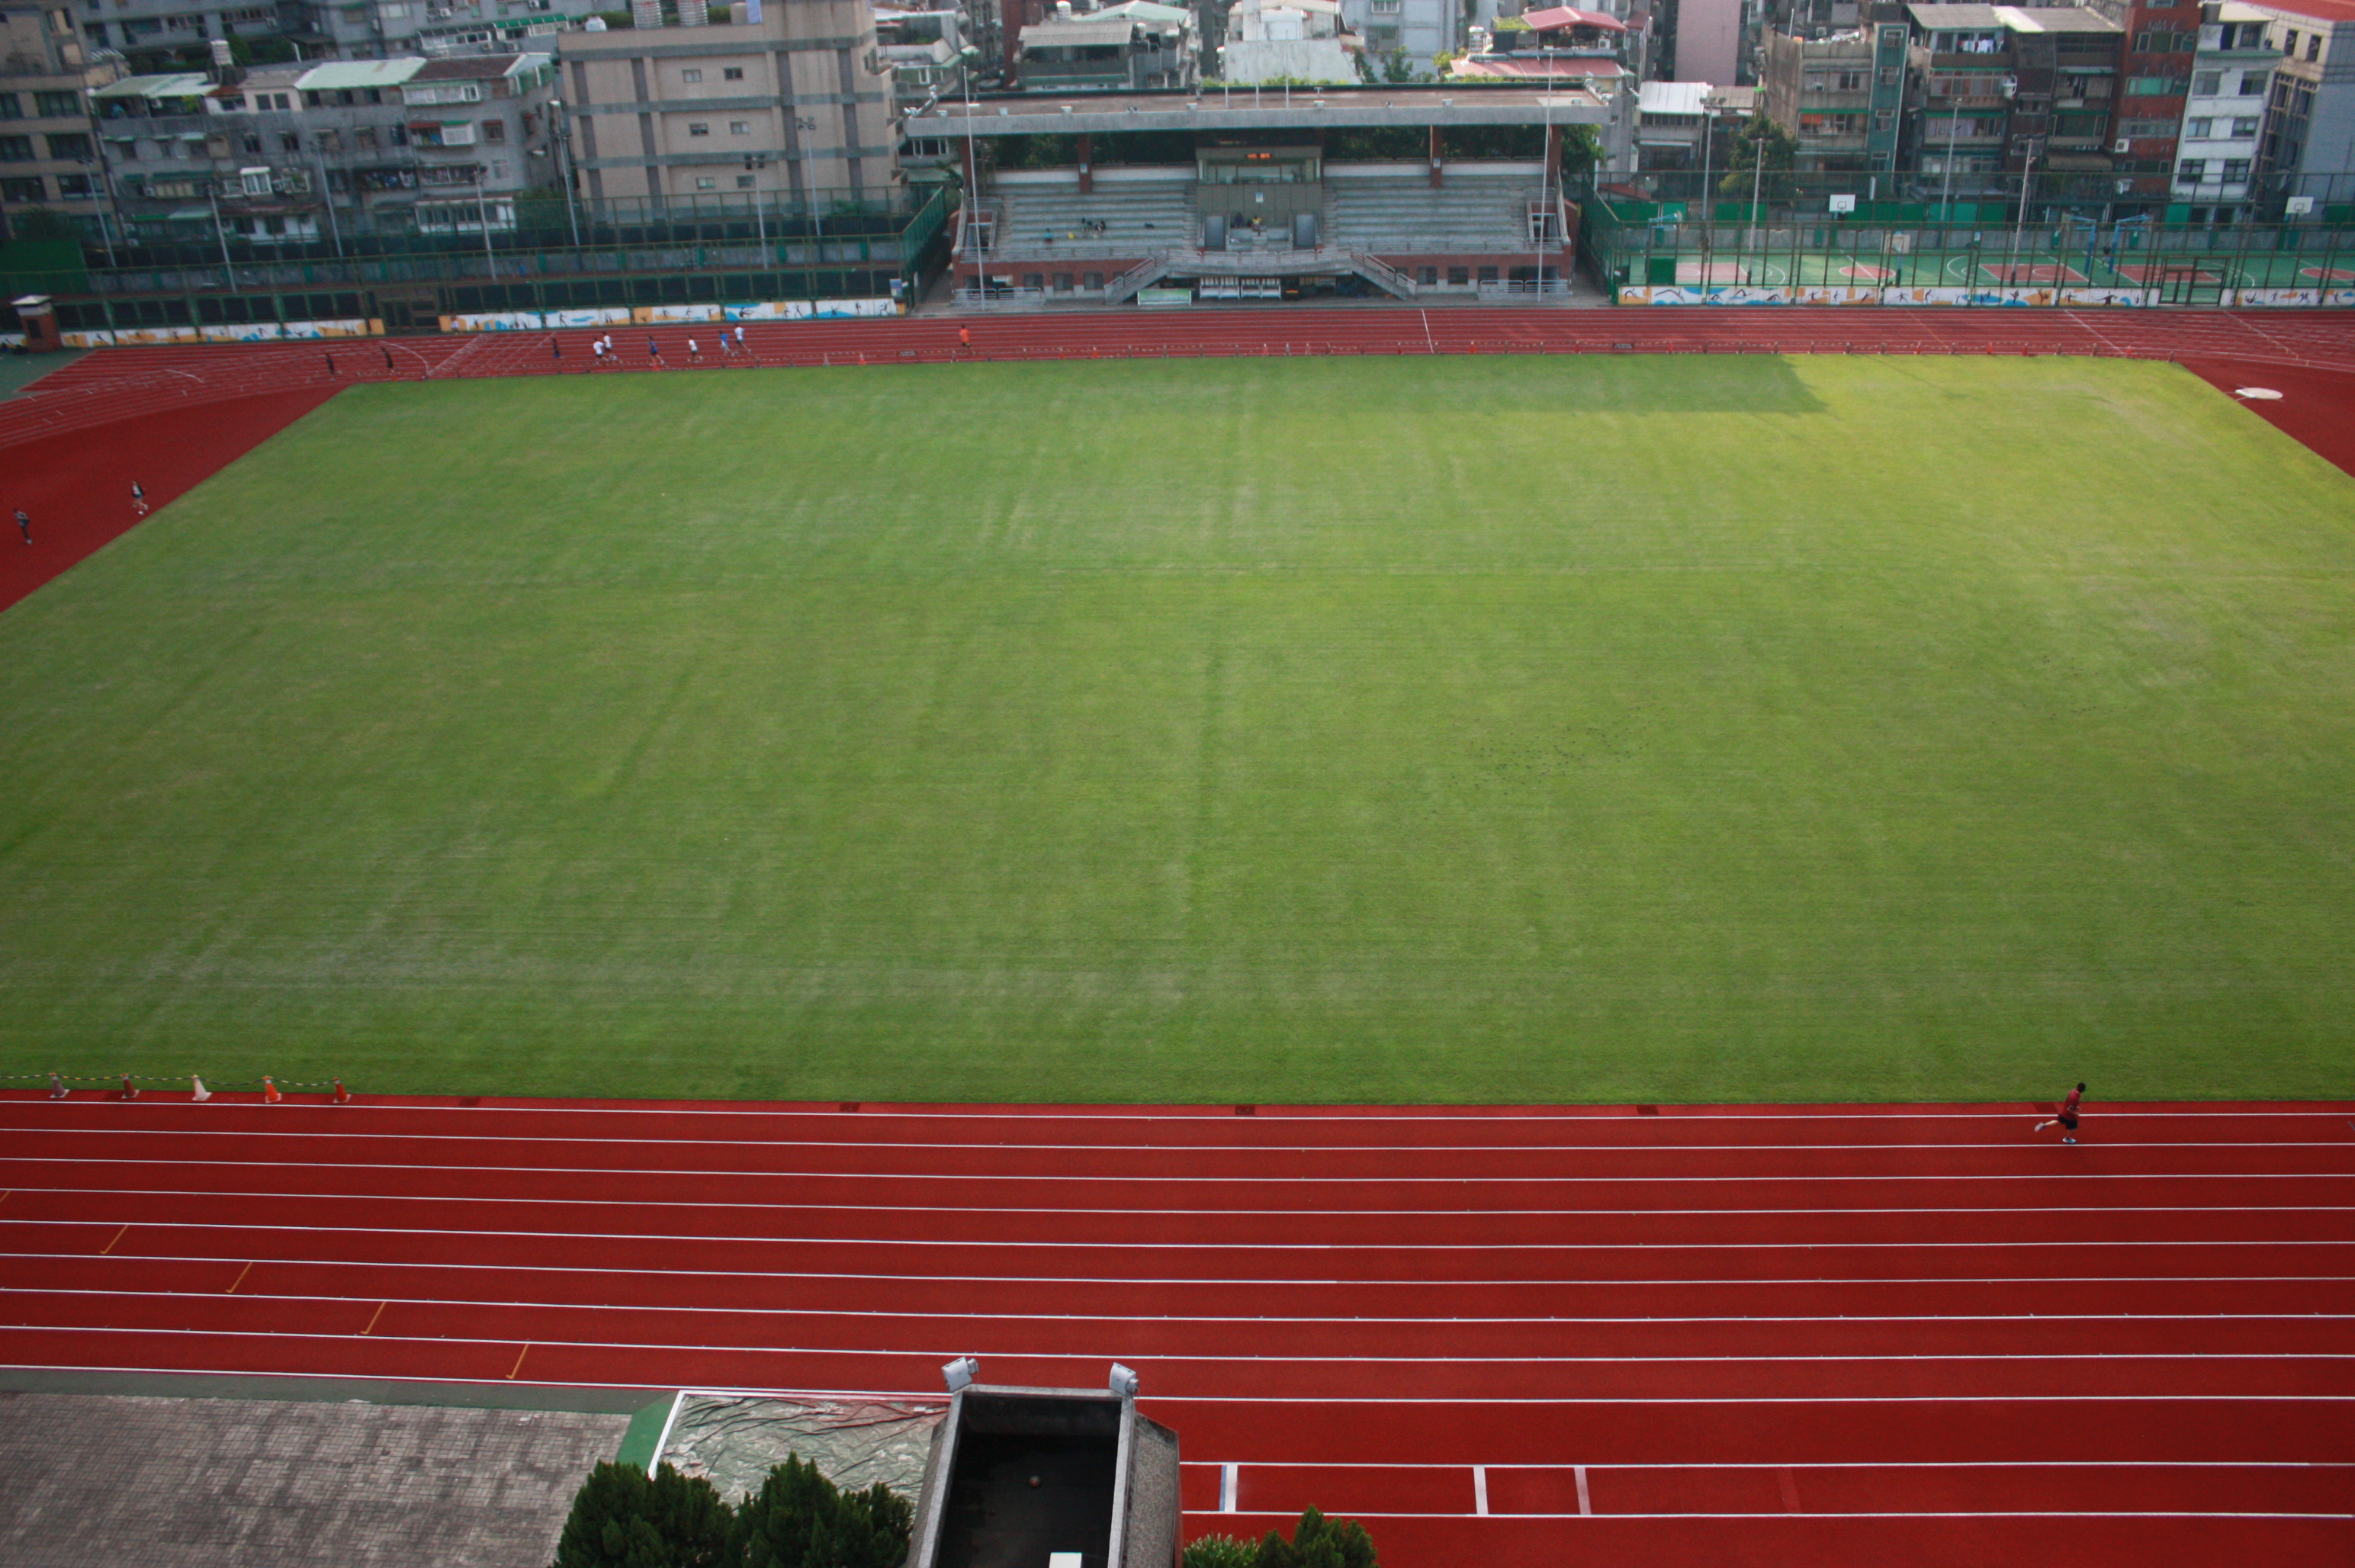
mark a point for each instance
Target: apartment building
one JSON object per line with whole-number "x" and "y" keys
{"x": 2307, "y": 144}
{"x": 1838, "y": 95}
{"x": 154, "y": 35}
{"x": 48, "y": 157}
{"x": 2003, "y": 87}
{"x": 382, "y": 29}
{"x": 794, "y": 99}
{"x": 2223, "y": 119}
{"x": 1415, "y": 32}
{"x": 2160, "y": 38}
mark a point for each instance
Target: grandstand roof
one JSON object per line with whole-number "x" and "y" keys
{"x": 1268, "y": 108}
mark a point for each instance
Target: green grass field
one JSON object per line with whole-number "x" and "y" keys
{"x": 1453, "y": 729}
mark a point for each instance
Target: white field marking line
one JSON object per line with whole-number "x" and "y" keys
{"x": 937, "y": 1317}
{"x": 1795, "y": 1465}
{"x": 1585, "y": 1503}
{"x": 1090, "y": 1358}
{"x": 1481, "y": 1488}
{"x": 1228, "y": 1474}
{"x": 1583, "y": 1247}
{"x": 663, "y": 1441}
{"x": 1060, "y": 1178}
{"x": 725, "y": 1206}
{"x": 1792, "y": 1281}
{"x": 1386, "y": 1401}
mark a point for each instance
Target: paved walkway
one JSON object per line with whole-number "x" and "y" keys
{"x": 102, "y": 1481}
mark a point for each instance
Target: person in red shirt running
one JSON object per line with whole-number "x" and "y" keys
{"x": 2067, "y": 1120}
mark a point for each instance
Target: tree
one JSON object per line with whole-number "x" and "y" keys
{"x": 1581, "y": 149}
{"x": 1760, "y": 136}
{"x": 1319, "y": 1542}
{"x": 624, "y": 1519}
{"x": 800, "y": 1519}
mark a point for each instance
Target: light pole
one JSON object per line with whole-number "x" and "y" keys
{"x": 562, "y": 125}
{"x": 327, "y": 200}
{"x": 105, "y": 238}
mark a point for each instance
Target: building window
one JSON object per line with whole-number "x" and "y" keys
{"x": 705, "y": 183}
{"x": 2245, "y": 126}
{"x": 1459, "y": 277}
{"x": 1889, "y": 77}
{"x": 2208, "y": 83}
{"x": 746, "y": 182}
{"x": 2289, "y": 45}
{"x": 1848, "y": 81}
{"x": 74, "y": 187}
{"x": 1065, "y": 282}
{"x": 15, "y": 149}
{"x": 73, "y": 148}
{"x": 1094, "y": 280}
{"x": 1487, "y": 274}
{"x": 1428, "y": 277}
{"x": 2236, "y": 170}
{"x": 739, "y": 127}
{"x": 22, "y": 190}
{"x": 2314, "y": 47}
{"x": 699, "y": 128}
{"x": 11, "y": 106}
{"x": 2191, "y": 171}
{"x": 731, "y": 73}
{"x": 56, "y": 105}
{"x": 495, "y": 130}
{"x": 2252, "y": 84}
{"x": 2196, "y": 130}
{"x": 690, "y": 74}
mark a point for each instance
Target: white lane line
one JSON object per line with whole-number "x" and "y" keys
{"x": 1093, "y": 1357}
{"x": 1814, "y": 1464}
{"x": 1228, "y": 1475}
{"x": 2073, "y": 1178}
{"x": 1789, "y": 1282}
{"x": 1762, "y": 1320}
{"x": 1926, "y": 1513}
{"x": 1646, "y": 1147}
{"x": 757, "y": 1206}
{"x": 1247, "y": 1400}
{"x": 1583, "y": 1248}
{"x": 1481, "y": 1488}
{"x": 1585, "y": 1503}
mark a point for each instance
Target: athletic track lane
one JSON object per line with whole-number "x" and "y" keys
{"x": 1740, "y": 1335}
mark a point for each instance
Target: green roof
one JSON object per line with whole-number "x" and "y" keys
{"x": 351, "y": 76}
{"x": 177, "y": 84}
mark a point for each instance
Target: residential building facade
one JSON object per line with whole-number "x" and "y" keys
{"x": 2224, "y": 121}
{"x": 2154, "y": 83}
{"x": 794, "y": 101}
{"x": 48, "y": 153}
{"x": 2001, "y": 89}
{"x": 1838, "y": 95}
{"x": 2307, "y": 148}
{"x": 1415, "y": 33}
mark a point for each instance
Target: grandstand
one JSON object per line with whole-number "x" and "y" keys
{"x": 1289, "y": 197}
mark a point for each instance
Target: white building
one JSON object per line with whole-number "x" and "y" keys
{"x": 2223, "y": 120}
{"x": 1294, "y": 40}
{"x": 1414, "y": 31}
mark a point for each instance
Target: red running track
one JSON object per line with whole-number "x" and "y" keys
{"x": 1746, "y": 1335}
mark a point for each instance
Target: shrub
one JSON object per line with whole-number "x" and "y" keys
{"x": 623, "y": 1519}
{"x": 1221, "y": 1552}
{"x": 798, "y": 1518}
{"x": 1319, "y": 1542}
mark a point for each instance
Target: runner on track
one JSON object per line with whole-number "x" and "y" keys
{"x": 2067, "y": 1118}
{"x": 138, "y": 500}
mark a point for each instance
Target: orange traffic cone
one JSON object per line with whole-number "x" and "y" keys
{"x": 129, "y": 1091}
{"x": 270, "y": 1094}
{"x": 202, "y": 1094}
{"x": 343, "y": 1095}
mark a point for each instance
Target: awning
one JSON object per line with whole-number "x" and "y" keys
{"x": 177, "y": 84}
{"x": 189, "y": 215}
{"x": 1570, "y": 17}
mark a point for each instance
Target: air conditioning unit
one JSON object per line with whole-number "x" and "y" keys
{"x": 2122, "y": 145}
